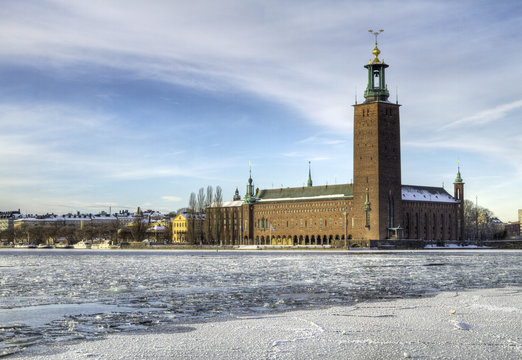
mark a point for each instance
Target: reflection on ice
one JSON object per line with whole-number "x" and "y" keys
{"x": 57, "y": 295}
{"x": 36, "y": 316}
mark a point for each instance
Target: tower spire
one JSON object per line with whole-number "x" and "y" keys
{"x": 376, "y": 89}
{"x": 309, "y": 174}
{"x": 458, "y": 179}
{"x": 250, "y": 196}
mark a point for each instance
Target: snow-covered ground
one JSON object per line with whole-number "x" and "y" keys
{"x": 478, "y": 324}
{"x": 52, "y": 297}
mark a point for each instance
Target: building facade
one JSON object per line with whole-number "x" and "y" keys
{"x": 187, "y": 228}
{"x": 377, "y": 206}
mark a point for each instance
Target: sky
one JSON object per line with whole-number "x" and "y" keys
{"x": 120, "y": 104}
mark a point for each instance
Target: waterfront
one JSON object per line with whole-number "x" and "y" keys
{"x": 55, "y": 295}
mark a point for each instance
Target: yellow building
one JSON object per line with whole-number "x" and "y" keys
{"x": 180, "y": 228}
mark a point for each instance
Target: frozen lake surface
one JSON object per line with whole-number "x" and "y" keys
{"x": 60, "y": 295}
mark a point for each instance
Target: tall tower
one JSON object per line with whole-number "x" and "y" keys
{"x": 376, "y": 158}
{"x": 458, "y": 187}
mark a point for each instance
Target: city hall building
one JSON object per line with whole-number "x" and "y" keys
{"x": 375, "y": 207}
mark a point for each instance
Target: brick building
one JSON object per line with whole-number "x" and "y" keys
{"x": 377, "y": 206}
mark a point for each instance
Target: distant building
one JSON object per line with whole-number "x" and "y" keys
{"x": 377, "y": 206}
{"x": 7, "y": 219}
{"x": 512, "y": 229}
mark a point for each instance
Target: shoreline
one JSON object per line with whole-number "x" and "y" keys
{"x": 478, "y": 324}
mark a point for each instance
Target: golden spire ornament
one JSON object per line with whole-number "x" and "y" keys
{"x": 376, "y": 50}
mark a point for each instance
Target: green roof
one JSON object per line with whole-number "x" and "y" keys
{"x": 306, "y": 193}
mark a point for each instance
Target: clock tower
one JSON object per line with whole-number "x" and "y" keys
{"x": 377, "y": 210}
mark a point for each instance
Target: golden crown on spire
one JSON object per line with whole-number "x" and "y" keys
{"x": 376, "y": 50}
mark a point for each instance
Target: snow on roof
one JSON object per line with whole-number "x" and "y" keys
{"x": 426, "y": 193}
{"x": 234, "y": 203}
{"x": 318, "y": 197}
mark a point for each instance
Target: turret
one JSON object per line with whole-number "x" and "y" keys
{"x": 250, "y": 197}
{"x": 458, "y": 186}
{"x": 236, "y": 195}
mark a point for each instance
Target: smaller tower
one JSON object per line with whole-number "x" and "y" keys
{"x": 309, "y": 183}
{"x": 458, "y": 186}
{"x": 250, "y": 197}
{"x": 236, "y": 195}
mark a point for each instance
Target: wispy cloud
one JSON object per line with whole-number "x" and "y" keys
{"x": 486, "y": 116}
{"x": 171, "y": 198}
{"x": 303, "y": 56}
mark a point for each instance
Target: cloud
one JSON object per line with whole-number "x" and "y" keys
{"x": 303, "y": 56}
{"x": 486, "y": 116}
{"x": 172, "y": 198}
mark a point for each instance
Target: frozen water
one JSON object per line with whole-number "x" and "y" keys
{"x": 56, "y": 295}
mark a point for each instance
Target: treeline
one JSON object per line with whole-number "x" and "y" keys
{"x": 204, "y": 217}
{"x": 481, "y": 224}
{"x": 113, "y": 231}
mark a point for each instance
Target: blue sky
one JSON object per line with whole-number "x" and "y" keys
{"x": 135, "y": 103}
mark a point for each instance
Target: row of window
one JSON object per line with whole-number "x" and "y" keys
{"x": 300, "y": 211}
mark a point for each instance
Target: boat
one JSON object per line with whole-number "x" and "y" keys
{"x": 63, "y": 246}
{"x": 44, "y": 246}
{"x": 82, "y": 245}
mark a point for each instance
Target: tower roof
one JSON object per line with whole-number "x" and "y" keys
{"x": 458, "y": 179}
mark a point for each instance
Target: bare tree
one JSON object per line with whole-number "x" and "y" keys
{"x": 200, "y": 209}
{"x": 138, "y": 228}
{"x": 208, "y": 223}
{"x": 191, "y": 219}
{"x": 480, "y": 223}
{"x": 217, "y": 208}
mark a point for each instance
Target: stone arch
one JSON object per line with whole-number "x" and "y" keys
{"x": 296, "y": 241}
{"x": 301, "y": 240}
{"x": 307, "y": 240}
{"x": 312, "y": 240}
{"x": 325, "y": 240}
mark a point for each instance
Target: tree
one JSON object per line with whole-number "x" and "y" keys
{"x": 200, "y": 210}
{"x": 209, "y": 199}
{"x": 7, "y": 235}
{"x": 191, "y": 219}
{"x": 200, "y": 207}
{"x": 218, "y": 215}
{"x": 480, "y": 223}
{"x": 138, "y": 228}
{"x": 21, "y": 234}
